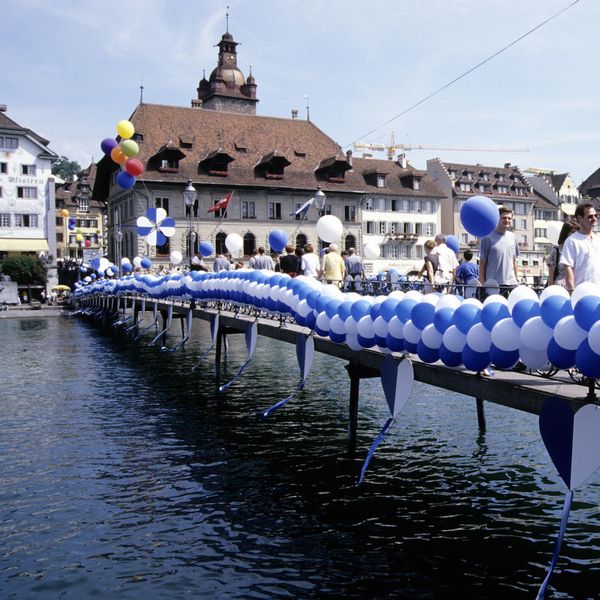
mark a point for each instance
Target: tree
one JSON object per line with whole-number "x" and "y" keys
{"x": 66, "y": 168}
{"x": 24, "y": 270}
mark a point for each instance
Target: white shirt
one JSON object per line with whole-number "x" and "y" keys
{"x": 582, "y": 254}
{"x": 448, "y": 261}
{"x": 310, "y": 264}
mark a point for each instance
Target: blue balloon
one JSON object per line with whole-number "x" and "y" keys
{"x": 146, "y": 262}
{"x": 375, "y": 310}
{"x": 95, "y": 263}
{"x": 524, "y": 310}
{"x": 125, "y": 180}
{"x": 554, "y": 308}
{"x": 443, "y": 318}
{"x": 422, "y": 314}
{"x": 475, "y": 361}
{"x": 503, "y": 359}
{"x": 127, "y": 267}
{"x": 492, "y": 313}
{"x": 404, "y": 308}
{"x": 587, "y": 361}
{"x": 312, "y": 297}
{"x": 450, "y": 359}
{"x": 277, "y": 240}
{"x": 559, "y": 356}
{"x": 465, "y": 316}
{"x": 388, "y": 308}
{"x": 479, "y": 216}
{"x": 206, "y": 248}
{"x": 345, "y": 309}
{"x": 311, "y": 320}
{"x": 453, "y": 243}
{"x": 365, "y": 342}
{"x": 332, "y": 307}
{"x": 426, "y": 354}
{"x": 394, "y": 344}
{"x": 359, "y": 309}
{"x": 587, "y": 311}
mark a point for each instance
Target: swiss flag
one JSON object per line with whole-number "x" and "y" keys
{"x": 221, "y": 204}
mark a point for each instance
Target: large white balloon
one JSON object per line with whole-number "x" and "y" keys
{"x": 371, "y": 251}
{"x": 553, "y": 231}
{"x": 234, "y": 242}
{"x": 176, "y": 257}
{"x": 329, "y": 228}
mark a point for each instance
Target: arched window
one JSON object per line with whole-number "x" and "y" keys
{"x": 164, "y": 249}
{"x": 249, "y": 244}
{"x": 349, "y": 242}
{"x": 301, "y": 240}
{"x": 220, "y": 247}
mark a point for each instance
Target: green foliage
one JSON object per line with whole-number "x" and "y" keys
{"x": 65, "y": 168}
{"x": 24, "y": 269}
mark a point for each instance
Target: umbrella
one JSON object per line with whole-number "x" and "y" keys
{"x": 62, "y": 288}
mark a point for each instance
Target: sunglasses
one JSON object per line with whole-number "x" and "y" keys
{"x": 591, "y": 217}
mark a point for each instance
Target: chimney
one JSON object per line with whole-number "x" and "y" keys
{"x": 294, "y": 113}
{"x": 349, "y": 157}
{"x": 402, "y": 160}
{"x": 3, "y": 108}
{"x": 507, "y": 165}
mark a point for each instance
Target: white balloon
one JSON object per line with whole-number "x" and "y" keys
{"x": 364, "y": 328}
{"x": 125, "y": 261}
{"x": 137, "y": 261}
{"x": 554, "y": 290}
{"x": 568, "y": 334}
{"x": 176, "y": 257}
{"x": 594, "y": 337}
{"x": 495, "y": 298}
{"x": 337, "y": 325}
{"x": 380, "y": 327}
{"x": 411, "y": 332}
{"x": 234, "y": 242}
{"x": 371, "y": 251}
{"x": 536, "y": 334}
{"x": 396, "y": 328}
{"x": 479, "y": 338}
{"x": 329, "y": 228}
{"x": 447, "y": 301}
{"x": 431, "y": 337}
{"x": 506, "y": 335}
{"x": 553, "y": 231}
{"x": 534, "y": 359}
{"x": 454, "y": 339}
{"x": 323, "y": 321}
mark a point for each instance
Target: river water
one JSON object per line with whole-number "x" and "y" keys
{"x": 124, "y": 475}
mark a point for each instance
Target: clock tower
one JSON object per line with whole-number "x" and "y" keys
{"x": 226, "y": 89}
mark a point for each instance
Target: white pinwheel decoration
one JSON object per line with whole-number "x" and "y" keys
{"x": 156, "y": 227}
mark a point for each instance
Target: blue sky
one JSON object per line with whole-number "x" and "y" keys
{"x": 72, "y": 69}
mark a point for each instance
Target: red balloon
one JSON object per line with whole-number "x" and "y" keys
{"x": 134, "y": 167}
{"x": 88, "y": 243}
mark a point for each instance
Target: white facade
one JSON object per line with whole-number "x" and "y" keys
{"x": 27, "y": 206}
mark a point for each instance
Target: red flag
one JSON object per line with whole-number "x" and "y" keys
{"x": 221, "y": 204}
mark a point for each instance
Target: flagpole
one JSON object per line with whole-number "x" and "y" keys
{"x": 222, "y": 216}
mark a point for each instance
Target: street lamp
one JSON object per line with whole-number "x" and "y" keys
{"x": 118, "y": 253}
{"x": 319, "y": 200}
{"x": 189, "y": 198}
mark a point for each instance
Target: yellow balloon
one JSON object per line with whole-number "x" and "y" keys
{"x": 79, "y": 237}
{"x": 125, "y": 129}
{"x": 129, "y": 148}
{"x": 64, "y": 212}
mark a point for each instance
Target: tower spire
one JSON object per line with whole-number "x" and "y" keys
{"x": 227, "y": 20}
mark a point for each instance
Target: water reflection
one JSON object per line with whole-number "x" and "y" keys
{"x": 122, "y": 474}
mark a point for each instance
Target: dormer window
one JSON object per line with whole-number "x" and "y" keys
{"x": 333, "y": 169}
{"x": 166, "y": 160}
{"x": 484, "y": 188}
{"x": 465, "y": 187}
{"x": 215, "y": 163}
{"x": 416, "y": 184}
{"x": 272, "y": 165}
{"x": 185, "y": 142}
{"x": 380, "y": 181}
{"x": 169, "y": 165}
{"x": 452, "y": 173}
{"x": 503, "y": 189}
{"x": 485, "y": 176}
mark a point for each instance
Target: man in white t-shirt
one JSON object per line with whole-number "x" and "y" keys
{"x": 448, "y": 261}
{"x": 581, "y": 251}
{"x": 310, "y": 265}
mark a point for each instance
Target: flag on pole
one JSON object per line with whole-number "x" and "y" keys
{"x": 222, "y": 203}
{"x": 302, "y": 210}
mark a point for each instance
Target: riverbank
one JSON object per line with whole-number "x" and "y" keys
{"x": 27, "y": 312}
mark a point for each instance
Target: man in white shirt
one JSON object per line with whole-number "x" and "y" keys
{"x": 448, "y": 261}
{"x": 581, "y": 250}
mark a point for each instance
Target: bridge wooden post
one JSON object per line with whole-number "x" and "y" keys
{"x": 480, "y": 414}
{"x": 356, "y": 373}
{"x": 136, "y": 315}
{"x": 222, "y": 341}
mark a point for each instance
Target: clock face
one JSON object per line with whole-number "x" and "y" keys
{"x": 229, "y": 58}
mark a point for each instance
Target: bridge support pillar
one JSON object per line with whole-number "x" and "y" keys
{"x": 480, "y": 414}
{"x": 356, "y": 373}
{"x": 222, "y": 334}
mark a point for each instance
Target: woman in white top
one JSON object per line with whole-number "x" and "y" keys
{"x": 311, "y": 266}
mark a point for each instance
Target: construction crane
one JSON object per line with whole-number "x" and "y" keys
{"x": 392, "y": 148}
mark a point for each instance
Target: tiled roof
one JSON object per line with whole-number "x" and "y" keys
{"x": 8, "y": 123}
{"x": 591, "y": 183}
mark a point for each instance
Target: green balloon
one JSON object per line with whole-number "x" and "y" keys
{"x": 129, "y": 148}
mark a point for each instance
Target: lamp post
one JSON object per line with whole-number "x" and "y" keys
{"x": 119, "y": 238}
{"x": 319, "y": 200}
{"x": 189, "y": 198}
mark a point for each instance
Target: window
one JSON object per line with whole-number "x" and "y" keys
{"x": 349, "y": 242}
{"x": 404, "y": 205}
{"x": 540, "y": 232}
{"x": 520, "y": 208}
{"x": 484, "y": 188}
{"x": 84, "y": 203}
{"x": 503, "y": 189}
{"x": 249, "y": 212}
{"x": 371, "y": 227}
{"x": 523, "y": 240}
{"x": 416, "y": 206}
{"x": 59, "y": 237}
{"x": 392, "y": 250}
{"x": 25, "y": 220}
{"x": 350, "y": 213}
{"x": 27, "y": 169}
{"x": 8, "y": 142}
{"x": 416, "y": 184}
{"x": 0, "y": 192}
{"x": 162, "y": 203}
{"x": 26, "y": 192}
{"x": 464, "y": 238}
{"x": 169, "y": 165}
{"x": 523, "y": 223}
{"x": 429, "y": 229}
{"x": 465, "y": 187}
{"x": 3, "y": 167}
{"x": 249, "y": 243}
{"x": 382, "y": 227}
{"x": 220, "y": 247}
{"x": 380, "y": 181}
{"x": 275, "y": 210}
{"x": 452, "y": 173}
{"x": 4, "y": 220}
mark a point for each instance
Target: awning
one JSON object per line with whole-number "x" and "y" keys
{"x": 20, "y": 245}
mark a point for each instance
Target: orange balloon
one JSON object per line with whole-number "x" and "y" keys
{"x": 117, "y": 155}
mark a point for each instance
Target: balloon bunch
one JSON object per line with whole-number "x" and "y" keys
{"x": 124, "y": 154}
